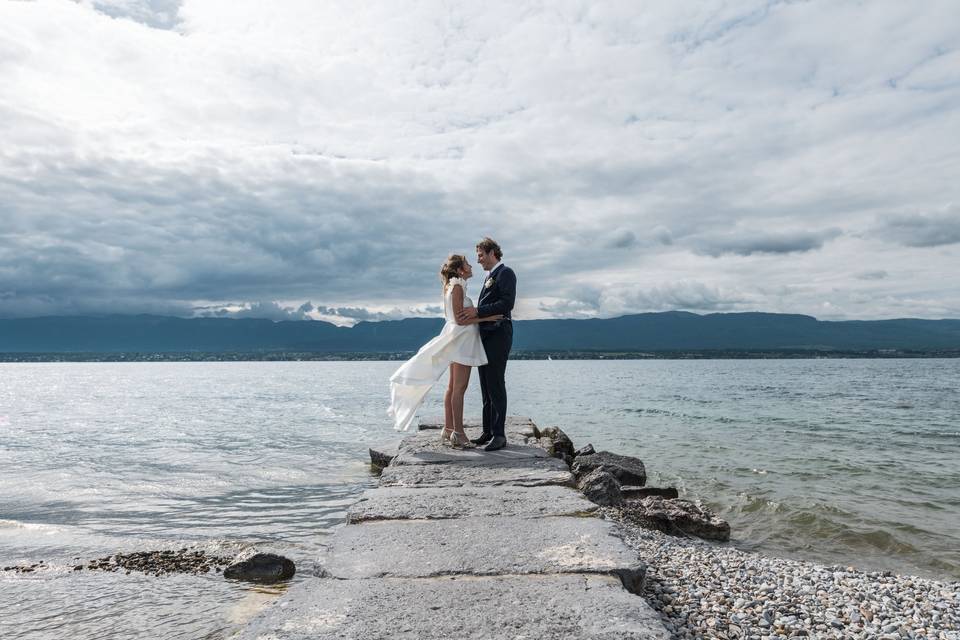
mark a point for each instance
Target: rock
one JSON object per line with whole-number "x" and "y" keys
{"x": 261, "y": 567}
{"x": 677, "y": 517}
{"x": 600, "y": 487}
{"x": 635, "y": 493}
{"x": 382, "y": 455}
{"x": 557, "y": 444}
{"x": 626, "y": 469}
{"x": 584, "y": 451}
{"x": 529, "y": 431}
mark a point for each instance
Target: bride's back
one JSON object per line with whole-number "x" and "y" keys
{"x": 448, "y": 298}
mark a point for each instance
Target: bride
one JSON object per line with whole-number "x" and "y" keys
{"x": 457, "y": 348}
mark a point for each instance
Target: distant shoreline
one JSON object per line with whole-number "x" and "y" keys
{"x": 316, "y": 356}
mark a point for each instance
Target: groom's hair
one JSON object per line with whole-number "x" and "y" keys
{"x": 487, "y": 245}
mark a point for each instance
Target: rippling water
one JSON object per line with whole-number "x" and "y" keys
{"x": 839, "y": 461}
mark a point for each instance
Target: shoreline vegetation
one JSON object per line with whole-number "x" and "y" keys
{"x": 328, "y": 356}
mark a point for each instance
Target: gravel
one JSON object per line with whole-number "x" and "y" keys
{"x": 706, "y": 590}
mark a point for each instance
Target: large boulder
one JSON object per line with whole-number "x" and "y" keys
{"x": 261, "y": 567}
{"x": 557, "y": 443}
{"x": 600, "y": 487}
{"x": 677, "y": 517}
{"x": 626, "y": 469}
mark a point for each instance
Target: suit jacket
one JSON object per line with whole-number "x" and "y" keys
{"x": 497, "y": 297}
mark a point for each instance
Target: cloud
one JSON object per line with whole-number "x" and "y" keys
{"x": 614, "y": 300}
{"x": 165, "y": 156}
{"x": 749, "y": 243}
{"x": 933, "y": 230}
{"x": 159, "y": 14}
{"x": 621, "y": 239}
{"x": 879, "y": 274}
{"x": 265, "y": 309}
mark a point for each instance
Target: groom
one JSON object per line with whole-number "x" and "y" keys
{"x": 497, "y": 297}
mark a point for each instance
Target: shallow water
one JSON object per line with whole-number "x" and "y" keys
{"x": 839, "y": 461}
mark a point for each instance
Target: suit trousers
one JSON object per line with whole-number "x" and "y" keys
{"x": 493, "y": 387}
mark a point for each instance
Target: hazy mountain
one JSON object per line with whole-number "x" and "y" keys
{"x": 667, "y": 331}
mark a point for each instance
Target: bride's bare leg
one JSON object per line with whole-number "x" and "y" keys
{"x": 448, "y": 422}
{"x": 459, "y": 380}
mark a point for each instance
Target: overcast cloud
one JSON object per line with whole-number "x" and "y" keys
{"x": 247, "y": 158}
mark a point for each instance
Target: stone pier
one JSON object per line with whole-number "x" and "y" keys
{"x": 468, "y": 544}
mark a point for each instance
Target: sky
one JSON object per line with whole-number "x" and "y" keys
{"x": 303, "y": 159}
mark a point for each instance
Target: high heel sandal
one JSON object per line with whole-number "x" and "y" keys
{"x": 445, "y": 436}
{"x": 458, "y": 441}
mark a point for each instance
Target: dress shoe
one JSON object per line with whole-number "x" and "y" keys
{"x": 484, "y": 439}
{"x": 498, "y": 442}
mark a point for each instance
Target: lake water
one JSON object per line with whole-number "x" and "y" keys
{"x": 837, "y": 461}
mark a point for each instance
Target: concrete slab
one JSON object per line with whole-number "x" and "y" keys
{"x": 467, "y": 608}
{"x": 426, "y": 448}
{"x": 493, "y": 471}
{"x": 480, "y": 546}
{"x": 430, "y": 503}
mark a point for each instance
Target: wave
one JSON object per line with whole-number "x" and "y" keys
{"x": 32, "y": 526}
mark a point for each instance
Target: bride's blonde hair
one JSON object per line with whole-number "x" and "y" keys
{"x": 451, "y": 268}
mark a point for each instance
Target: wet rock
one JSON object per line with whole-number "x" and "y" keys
{"x": 557, "y": 443}
{"x": 600, "y": 487}
{"x": 677, "y": 517}
{"x": 626, "y": 469}
{"x": 584, "y": 451}
{"x": 157, "y": 562}
{"x": 381, "y": 455}
{"x": 261, "y": 567}
{"x": 636, "y": 493}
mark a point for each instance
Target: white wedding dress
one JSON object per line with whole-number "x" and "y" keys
{"x": 456, "y": 343}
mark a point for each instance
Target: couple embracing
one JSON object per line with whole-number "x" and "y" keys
{"x": 473, "y": 336}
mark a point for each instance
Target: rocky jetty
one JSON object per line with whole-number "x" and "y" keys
{"x": 471, "y": 544}
{"x": 462, "y": 529}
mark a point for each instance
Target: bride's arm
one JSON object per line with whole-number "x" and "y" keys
{"x": 457, "y": 300}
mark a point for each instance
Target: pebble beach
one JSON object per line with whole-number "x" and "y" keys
{"x": 708, "y": 590}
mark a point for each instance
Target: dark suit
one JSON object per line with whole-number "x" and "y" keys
{"x": 497, "y": 337}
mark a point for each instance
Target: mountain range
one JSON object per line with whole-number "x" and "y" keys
{"x": 645, "y": 332}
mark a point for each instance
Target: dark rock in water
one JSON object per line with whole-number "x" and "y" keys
{"x": 558, "y": 444}
{"x": 626, "y": 469}
{"x": 600, "y": 487}
{"x": 584, "y": 451}
{"x": 382, "y": 455}
{"x": 677, "y": 517}
{"x": 261, "y": 567}
{"x": 635, "y": 493}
